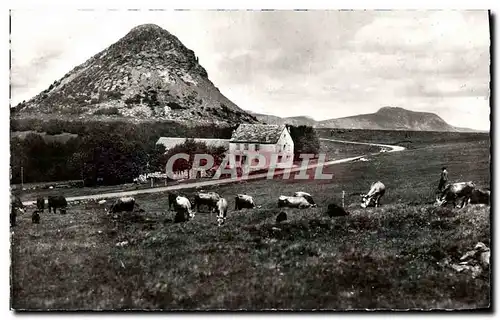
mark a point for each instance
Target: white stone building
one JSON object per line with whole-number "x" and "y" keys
{"x": 268, "y": 140}
{"x": 246, "y": 141}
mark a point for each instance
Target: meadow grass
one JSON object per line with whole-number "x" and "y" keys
{"x": 387, "y": 257}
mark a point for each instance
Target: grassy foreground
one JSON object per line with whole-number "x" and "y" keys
{"x": 383, "y": 257}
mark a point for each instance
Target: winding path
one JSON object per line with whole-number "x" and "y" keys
{"x": 230, "y": 180}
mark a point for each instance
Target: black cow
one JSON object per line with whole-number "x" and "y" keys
{"x": 13, "y": 217}
{"x": 171, "y": 201}
{"x": 57, "y": 202}
{"x": 281, "y": 217}
{"x": 480, "y": 196}
{"x": 40, "y": 203}
{"x": 335, "y": 210}
{"x": 35, "y": 217}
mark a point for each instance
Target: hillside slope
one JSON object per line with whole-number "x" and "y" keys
{"x": 296, "y": 121}
{"x": 386, "y": 118}
{"x": 391, "y": 118}
{"x": 146, "y": 75}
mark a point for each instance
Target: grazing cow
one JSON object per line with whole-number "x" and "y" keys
{"x": 281, "y": 217}
{"x": 484, "y": 254}
{"x": 183, "y": 209}
{"x": 294, "y": 202}
{"x": 17, "y": 204}
{"x": 242, "y": 201}
{"x": 171, "y": 201}
{"x": 335, "y": 210}
{"x": 454, "y": 191}
{"x": 480, "y": 196}
{"x": 306, "y": 195}
{"x": 372, "y": 198}
{"x": 123, "y": 204}
{"x": 221, "y": 211}
{"x": 57, "y": 202}
{"x": 481, "y": 255}
{"x": 13, "y": 217}
{"x": 35, "y": 217}
{"x": 40, "y": 203}
{"x": 209, "y": 199}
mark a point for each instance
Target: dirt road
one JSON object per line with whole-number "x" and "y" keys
{"x": 200, "y": 184}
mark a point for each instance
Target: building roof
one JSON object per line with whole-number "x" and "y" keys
{"x": 258, "y": 133}
{"x": 169, "y": 142}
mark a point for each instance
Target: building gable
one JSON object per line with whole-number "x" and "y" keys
{"x": 257, "y": 133}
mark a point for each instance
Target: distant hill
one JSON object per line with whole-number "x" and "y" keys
{"x": 391, "y": 118}
{"x": 296, "y": 121}
{"x": 146, "y": 75}
{"x": 386, "y": 118}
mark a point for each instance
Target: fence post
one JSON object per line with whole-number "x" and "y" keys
{"x": 343, "y": 195}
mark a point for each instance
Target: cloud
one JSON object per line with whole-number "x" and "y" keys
{"x": 322, "y": 64}
{"x": 425, "y": 30}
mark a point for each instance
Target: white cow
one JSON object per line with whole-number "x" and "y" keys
{"x": 183, "y": 207}
{"x": 221, "y": 211}
{"x": 294, "y": 202}
{"x": 242, "y": 201}
{"x": 377, "y": 190}
{"x": 305, "y": 195}
{"x": 123, "y": 204}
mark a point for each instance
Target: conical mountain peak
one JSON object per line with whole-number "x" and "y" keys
{"x": 148, "y": 74}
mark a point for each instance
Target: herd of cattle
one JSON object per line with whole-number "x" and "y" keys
{"x": 54, "y": 202}
{"x": 185, "y": 209}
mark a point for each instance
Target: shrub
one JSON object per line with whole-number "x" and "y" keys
{"x": 116, "y": 95}
{"x": 175, "y": 106}
{"x": 133, "y": 100}
{"x": 305, "y": 140}
{"x": 107, "y": 111}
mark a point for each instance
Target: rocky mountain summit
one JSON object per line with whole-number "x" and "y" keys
{"x": 146, "y": 75}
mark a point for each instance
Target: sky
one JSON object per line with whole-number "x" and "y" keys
{"x": 322, "y": 64}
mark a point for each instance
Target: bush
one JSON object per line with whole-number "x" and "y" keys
{"x": 175, "y": 106}
{"x": 116, "y": 151}
{"x": 107, "y": 111}
{"x": 192, "y": 148}
{"x": 133, "y": 100}
{"x": 114, "y": 95}
{"x": 305, "y": 140}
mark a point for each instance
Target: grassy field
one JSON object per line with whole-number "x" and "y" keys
{"x": 332, "y": 150}
{"x": 336, "y": 150}
{"x": 385, "y": 257}
{"x": 407, "y": 139}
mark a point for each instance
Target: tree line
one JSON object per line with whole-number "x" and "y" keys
{"x": 110, "y": 153}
